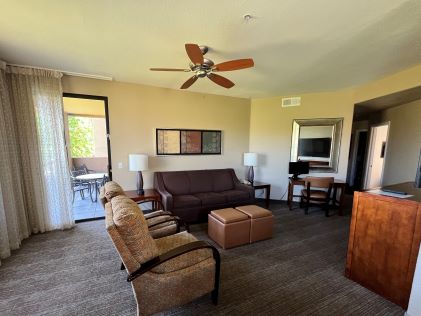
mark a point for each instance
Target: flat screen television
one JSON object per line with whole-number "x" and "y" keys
{"x": 314, "y": 147}
{"x": 299, "y": 167}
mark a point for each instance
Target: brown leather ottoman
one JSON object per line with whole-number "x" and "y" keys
{"x": 261, "y": 222}
{"x": 229, "y": 227}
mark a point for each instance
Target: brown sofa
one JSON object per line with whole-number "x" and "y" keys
{"x": 191, "y": 195}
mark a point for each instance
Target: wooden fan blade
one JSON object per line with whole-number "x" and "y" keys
{"x": 194, "y": 53}
{"x": 169, "y": 69}
{"x": 189, "y": 82}
{"x": 222, "y": 81}
{"x": 234, "y": 65}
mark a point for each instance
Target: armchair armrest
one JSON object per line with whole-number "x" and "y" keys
{"x": 156, "y": 214}
{"x": 166, "y": 197}
{"x": 173, "y": 253}
{"x": 245, "y": 187}
{"x": 176, "y": 219}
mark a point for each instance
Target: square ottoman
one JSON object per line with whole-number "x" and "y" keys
{"x": 229, "y": 227}
{"x": 261, "y": 222}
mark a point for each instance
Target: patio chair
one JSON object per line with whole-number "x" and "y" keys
{"x": 78, "y": 186}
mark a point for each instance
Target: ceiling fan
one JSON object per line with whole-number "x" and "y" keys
{"x": 203, "y": 67}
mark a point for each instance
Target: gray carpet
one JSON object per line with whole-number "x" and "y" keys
{"x": 298, "y": 272}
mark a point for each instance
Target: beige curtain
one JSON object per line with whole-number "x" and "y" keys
{"x": 35, "y": 191}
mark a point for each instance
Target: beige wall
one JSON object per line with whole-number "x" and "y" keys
{"x": 84, "y": 106}
{"x": 271, "y": 131}
{"x": 408, "y": 78}
{"x": 404, "y": 143}
{"x": 271, "y": 125}
{"x": 136, "y": 110}
{"x": 263, "y": 127}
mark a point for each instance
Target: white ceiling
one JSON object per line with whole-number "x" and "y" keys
{"x": 298, "y": 46}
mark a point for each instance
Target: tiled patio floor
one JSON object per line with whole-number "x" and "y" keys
{"x": 85, "y": 208}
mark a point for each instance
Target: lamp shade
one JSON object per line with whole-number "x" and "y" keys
{"x": 250, "y": 159}
{"x": 138, "y": 162}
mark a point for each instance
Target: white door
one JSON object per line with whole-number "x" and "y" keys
{"x": 376, "y": 156}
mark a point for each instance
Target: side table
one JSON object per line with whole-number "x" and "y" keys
{"x": 261, "y": 185}
{"x": 150, "y": 195}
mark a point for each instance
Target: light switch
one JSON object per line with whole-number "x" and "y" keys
{"x": 120, "y": 165}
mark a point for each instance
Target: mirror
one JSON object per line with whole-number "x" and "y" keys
{"x": 317, "y": 141}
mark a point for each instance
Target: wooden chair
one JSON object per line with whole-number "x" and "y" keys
{"x": 317, "y": 191}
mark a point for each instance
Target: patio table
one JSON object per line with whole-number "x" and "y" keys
{"x": 92, "y": 179}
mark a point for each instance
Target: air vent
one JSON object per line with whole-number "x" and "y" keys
{"x": 294, "y": 101}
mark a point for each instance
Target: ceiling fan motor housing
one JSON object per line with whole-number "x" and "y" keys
{"x": 203, "y": 69}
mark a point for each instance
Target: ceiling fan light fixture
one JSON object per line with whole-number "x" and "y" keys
{"x": 204, "y": 67}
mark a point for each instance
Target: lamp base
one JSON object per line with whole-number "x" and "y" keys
{"x": 139, "y": 183}
{"x": 250, "y": 175}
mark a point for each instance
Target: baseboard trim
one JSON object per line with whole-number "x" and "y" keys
{"x": 89, "y": 219}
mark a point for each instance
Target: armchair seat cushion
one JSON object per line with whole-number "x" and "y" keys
{"x": 235, "y": 195}
{"x": 187, "y": 200}
{"x": 211, "y": 198}
{"x": 186, "y": 260}
{"x": 315, "y": 194}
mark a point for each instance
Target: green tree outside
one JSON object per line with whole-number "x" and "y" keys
{"x": 81, "y": 134}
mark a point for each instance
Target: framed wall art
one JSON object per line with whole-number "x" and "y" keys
{"x": 187, "y": 142}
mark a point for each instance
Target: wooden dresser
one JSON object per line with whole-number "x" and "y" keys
{"x": 384, "y": 241}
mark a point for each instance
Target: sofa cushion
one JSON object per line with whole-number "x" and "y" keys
{"x": 133, "y": 229}
{"x": 222, "y": 180}
{"x": 211, "y": 198}
{"x": 177, "y": 183}
{"x": 200, "y": 181}
{"x": 236, "y": 195}
{"x": 188, "y": 259}
{"x": 186, "y": 200}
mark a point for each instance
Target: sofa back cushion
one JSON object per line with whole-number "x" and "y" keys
{"x": 201, "y": 181}
{"x": 133, "y": 229}
{"x": 198, "y": 181}
{"x": 176, "y": 182}
{"x": 112, "y": 189}
{"x": 222, "y": 180}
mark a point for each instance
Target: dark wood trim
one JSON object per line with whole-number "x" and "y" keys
{"x": 85, "y": 115}
{"x": 176, "y": 252}
{"x": 89, "y": 219}
{"x": 189, "y": 130}
{"x": 107, "y": 121}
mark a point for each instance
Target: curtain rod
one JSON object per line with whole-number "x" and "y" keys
{"x": 67, "y": 73}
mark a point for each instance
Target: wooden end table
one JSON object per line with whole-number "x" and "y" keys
{"x": 261, "y": 185}
{"x": 150, "y": 195}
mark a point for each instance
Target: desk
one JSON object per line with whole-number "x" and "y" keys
{"x": 266, "y": 186}
{"x": 92, "y": 180}
{"x": 150, "y": 195}
{"x": 337, "y": 185}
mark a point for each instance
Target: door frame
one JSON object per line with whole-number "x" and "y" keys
{"x": 370, "y": 149}
{"x": 353, "y": 162}
{"x": 107, "y": 121}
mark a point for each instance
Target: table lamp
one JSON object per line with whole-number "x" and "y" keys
{"x": 139, "y": 163}
{"x": 250, "y": 160}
